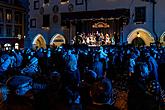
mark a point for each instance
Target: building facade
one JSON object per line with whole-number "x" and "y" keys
{"x": 54, "y": 22}
{"x": 12, "y": 24}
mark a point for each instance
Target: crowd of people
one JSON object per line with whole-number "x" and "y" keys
{"x": 78, "y": 77}
{"x": 96, "y": 39}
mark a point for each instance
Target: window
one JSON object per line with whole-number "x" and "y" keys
{"x": 46, "y": 1}
{"x": 9, "y": 31}
{"x": 1, "y": 29}
{"x": 1, "y": 15}
{"x": 18, "y": 18}
{"x": 36, "y": 5}
{"x": 64, "y": 1}
{"x": 16, "y": 46}
{"x": 7, "y": 46}
{"x": 79, "y": 2}
{"x": 8, "y": 16}
{"x": 17, "y": 30}
{"x": 140, "y": 14}
{"x": 33, "y": 23}
{"x": 46, "y": 20}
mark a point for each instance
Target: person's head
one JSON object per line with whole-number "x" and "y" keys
{"x": 69, "y": 52}
{"x": 141, "y": 70}
{"x": 28, "y": 50}
{"x": 146, "y": 53}
{"x": 55, "y": 76}
{"x": 154, "y": 53}
{"x": 48, "y": 53}
{"x": 153, "y": 88}
{"x": 128, "y": 51}
{"x": 96, "y": 57}
{"x": 4, "y": 57}
{"x": 132, "y": 62}
{"x": 30, "y": 55}
{"x": 101, "y": 91}
{"x": 1, "y": 60}
{"x": 101, "y": 48}
{"x": 41, "y": 49}
{"x": 90, "y": 76}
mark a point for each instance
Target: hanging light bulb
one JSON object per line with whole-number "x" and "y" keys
{"x": 138, "y": 34}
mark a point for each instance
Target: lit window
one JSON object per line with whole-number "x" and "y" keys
{"x": 64, "y": 1}
{"x": 7, "y": 46}
{"x": 33, "y": 23}
{"x": 9, "y": 31}
{"x": 16, "y": 46}
{"x": 18, "y": 30}
{"x": 140, "y": 14}
{"x": 36, "y": 5}
{"x": 8, "y": 16}
{"x": 18, "y": 18}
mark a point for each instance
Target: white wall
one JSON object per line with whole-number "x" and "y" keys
{"x": 148, "y": 25}
{"x": 160, "y": 17}
{"x": 107, "y": 4}
{"x": 97, "y": 5}
{"x": 102, "y": 5}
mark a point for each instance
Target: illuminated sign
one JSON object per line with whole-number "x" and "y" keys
{"x": 100, "y": 25}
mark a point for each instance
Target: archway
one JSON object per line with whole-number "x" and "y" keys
{"x": 57, "y": 40}
{"x": 162, "y": 39}
{"x": 39, "y": 41}
{"x": 142, "y": 34}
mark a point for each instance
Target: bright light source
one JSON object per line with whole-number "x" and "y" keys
{"x": 138, "y": 34}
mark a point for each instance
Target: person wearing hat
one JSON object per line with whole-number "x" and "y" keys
{"x": 101, "y": 94}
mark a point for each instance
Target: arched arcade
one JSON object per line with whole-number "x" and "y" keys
{"x": 39, "y": 41}
{"x": 162, "y": 39}
{"x": 140, "y": 36}
{"x": 57, "y": 40}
